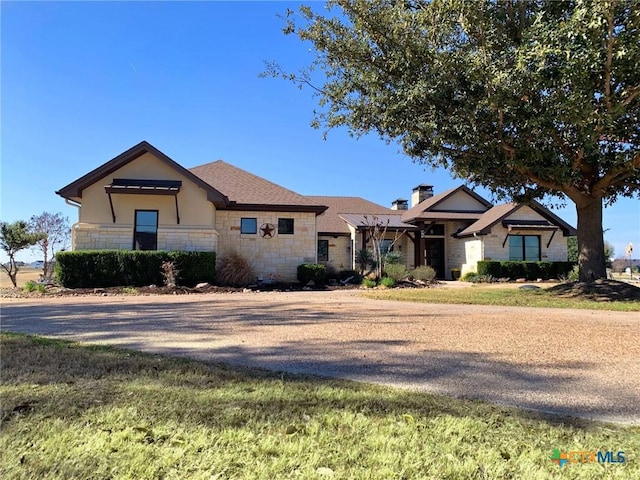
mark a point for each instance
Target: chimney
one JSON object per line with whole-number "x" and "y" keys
{"x": 400, "y": 204}
{"x": 421, "y": 193}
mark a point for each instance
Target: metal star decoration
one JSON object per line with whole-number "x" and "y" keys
{"x": 266, "y": 230}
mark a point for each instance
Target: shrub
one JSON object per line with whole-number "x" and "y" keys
{"x": 531, "y": 270}
{"x": 368, "y": 283}
{"x": 194, "y": 267}
{"x": 234, "y": 269}
{"x": 364, "y": 260}
{"x": 512, "y": 270}
{"x": 562, "y": 269}
{"x": 109, "y": 268}
{"x": 32, "y": 286}
{"x": 468, "y": 277}
{"x": 392, "y": 258}
{"x": 312, "y": 272}
{"x": 571, "y": 276}
{"x": 546, "y": 270}
{"x": 169, "y": 273}
{"x": 423, "y": 273}
{"x": 488, "y": 267}
{"x": 396, "y": 271}
{"x": 388, "y": 282}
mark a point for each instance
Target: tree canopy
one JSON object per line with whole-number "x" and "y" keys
{"x": 531, "y": 99}
{"x": 13, "y": 238}
{"x": 55, "y": 231}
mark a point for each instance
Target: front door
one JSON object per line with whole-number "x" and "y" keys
{"x": 434, "y": 255}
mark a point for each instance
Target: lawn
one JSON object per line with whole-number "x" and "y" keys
{"x": 24, "y": 275}
{"x": 73, "y": 411}
{"x": 506, "y": 296}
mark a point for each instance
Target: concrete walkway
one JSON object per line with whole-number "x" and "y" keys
{"x": 573, "y": 362}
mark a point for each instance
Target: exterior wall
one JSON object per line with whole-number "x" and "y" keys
{"x": 490, "y": 247}
{"x": 460, "y": 201}
{"x": 339, "y": 252}
{"x": 120, "y": 237}
{"x": 272, "y": 258}
{"x": 195, "y": 209}
{"x": 454, "y": 248}
{"x": 403, "y": 244}
{"x": 474, "y": 252}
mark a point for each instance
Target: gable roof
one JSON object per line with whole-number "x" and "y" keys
{"x": 247, "y": 191}
{"x": 498, "y": 213}
{"x": 422, "y": 211}
{"x": 330, "y": 222}
{"x": 75, "y": 188}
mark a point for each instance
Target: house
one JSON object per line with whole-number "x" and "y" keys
{"x": 142, "y": 199}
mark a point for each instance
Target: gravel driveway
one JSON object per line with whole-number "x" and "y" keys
{"x": 576, "y": 362}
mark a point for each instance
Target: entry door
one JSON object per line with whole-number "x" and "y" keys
{"x": 434, "y": 255}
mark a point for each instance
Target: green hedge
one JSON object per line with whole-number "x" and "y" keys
{"x": 528, "y": 270}
{"x": 312, "y": 271}
{"x": 110, "y": 268}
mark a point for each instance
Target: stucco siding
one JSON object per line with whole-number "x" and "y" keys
{"x": 460, "y": 201}
{"x": 272, "y": 258}
{"x": 194, "y": 208}
{"x": 474, "y": 252}
{"x": 339, "y": 252}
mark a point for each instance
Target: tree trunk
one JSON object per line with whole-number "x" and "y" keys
{"x": 591, "y": 259}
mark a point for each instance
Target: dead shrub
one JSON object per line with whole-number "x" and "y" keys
{"x": 235, "y": 270}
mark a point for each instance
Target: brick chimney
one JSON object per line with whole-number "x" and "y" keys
{"x": 421, "y": 193}
{"x": 400, "y": 204}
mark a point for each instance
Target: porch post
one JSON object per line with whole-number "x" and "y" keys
{"x": 418, "y": 247}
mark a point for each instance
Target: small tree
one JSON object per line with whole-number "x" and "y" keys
{"x": 56, "y": 232}
{"x": 377, "y": 230}
{"x": 13, "y": 238}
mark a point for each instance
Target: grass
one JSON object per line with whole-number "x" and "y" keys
{"x": 505, "y": 296}
{"x": 25, "y": 274}
{"x": 72, "y": 411}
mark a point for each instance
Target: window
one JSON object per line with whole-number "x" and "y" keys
{"x": 285, "y": 226}
{"x": 437, "y": 229}
{"x": 323, "y": 250}
{"x": 524, "y": 247}
{"x": 145, "y": 231}
{"x": 248, "y": 225}
{"x": 386, "y": 246}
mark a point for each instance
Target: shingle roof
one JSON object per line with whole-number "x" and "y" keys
{"x": 330, "y": 221}
{"x": 248, "y": 191}
{"x": 489, "y": 218}
{"x": 417, "y": 212}
{"x": 492, "y": 216}
{"x": 74, "y": 190}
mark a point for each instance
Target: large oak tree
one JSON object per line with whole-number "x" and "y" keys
{"x": 532, "y": 99}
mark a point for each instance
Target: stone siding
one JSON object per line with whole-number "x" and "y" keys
{"x": 120, "y": 237}
{"x": 272, "y": 258}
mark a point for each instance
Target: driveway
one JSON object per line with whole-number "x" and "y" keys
{"x": 573, "y": 362}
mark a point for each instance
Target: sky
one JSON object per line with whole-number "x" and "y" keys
{"x": 82, "y": 82}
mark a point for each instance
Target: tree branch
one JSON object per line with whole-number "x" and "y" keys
{"x": 609, "y": 63}
{"x": 616, "y": 175}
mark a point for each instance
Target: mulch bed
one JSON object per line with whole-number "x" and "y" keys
{"x": 56, "y": 291}
{"x": 599, "y": 290}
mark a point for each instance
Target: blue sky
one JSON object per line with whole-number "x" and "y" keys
{"x": 82, "y": 82}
